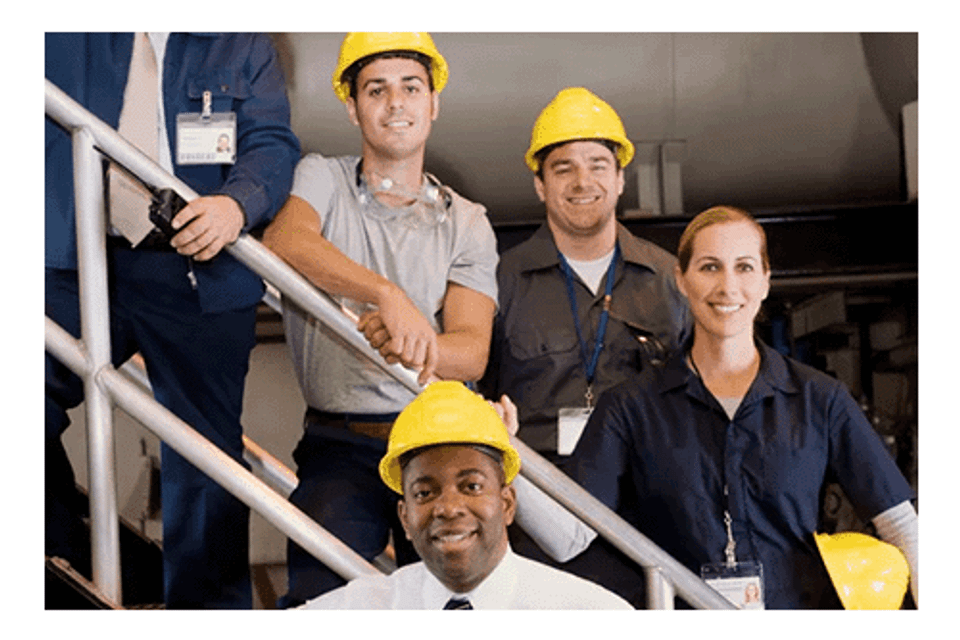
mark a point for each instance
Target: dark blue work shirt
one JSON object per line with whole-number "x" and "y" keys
{"x": 660, "y": 451}
{"x": 243, "y": 74}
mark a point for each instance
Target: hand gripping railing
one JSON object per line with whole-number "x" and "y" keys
{"x": 665, "y": 575}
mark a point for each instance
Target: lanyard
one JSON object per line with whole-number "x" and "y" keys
{"x": 590, "y": 363}
{"x": 729, "y": 551}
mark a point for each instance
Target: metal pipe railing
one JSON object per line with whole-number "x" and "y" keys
{"x": 103, "y": 384}
{"x": 276, "y": 474}
{"x": 95, "y": 333}
{"x": 209, "y": 458}
{"x": 292, "y": 285}
{"x": 658, "y": 565}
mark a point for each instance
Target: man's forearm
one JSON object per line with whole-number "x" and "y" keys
{"x": 327, "y": 268}
{"x": 463, "y": 356}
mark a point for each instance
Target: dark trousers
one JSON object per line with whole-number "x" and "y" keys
{"x": 197, "y": 364}
{"x": 340, "y": 488}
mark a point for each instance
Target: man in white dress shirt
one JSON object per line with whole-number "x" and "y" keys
{"x": 450, "y": 459}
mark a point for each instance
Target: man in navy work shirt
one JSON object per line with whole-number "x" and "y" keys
{"x": 188, "y": 307}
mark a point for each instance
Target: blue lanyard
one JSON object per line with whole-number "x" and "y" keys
{"x": 590, "y": 363}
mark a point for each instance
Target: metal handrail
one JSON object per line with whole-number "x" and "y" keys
{"x": 90, "y": 359}
{"x": 209, "y": 458}
{"x": 276, "y": 474}
{"x": 661, "y": 568}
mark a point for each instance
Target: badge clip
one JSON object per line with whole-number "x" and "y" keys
{"x": 739, "y": 582}
{"x": 207, "y": 106}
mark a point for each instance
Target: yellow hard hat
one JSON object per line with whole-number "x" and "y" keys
{"x": 867, "y": 573}
{"x": 362, "y": 44}
{"x": 446, "y": 412}
{"x": 577, "y": 114}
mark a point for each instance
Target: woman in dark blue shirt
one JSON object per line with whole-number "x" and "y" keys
{"x": 724, "y": 451}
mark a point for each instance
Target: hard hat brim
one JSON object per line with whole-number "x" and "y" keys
{"x": 392, "y": 474}
{"x": 625, "y": 150}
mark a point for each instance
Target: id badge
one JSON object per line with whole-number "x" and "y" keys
{"x": 741, "y": 583}
{"x": 570, "y": 424}
{"x": 207, "y": 139}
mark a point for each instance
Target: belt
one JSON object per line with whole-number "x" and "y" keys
{"x": 373, "y": 425}
{"x": 155, "y": 241}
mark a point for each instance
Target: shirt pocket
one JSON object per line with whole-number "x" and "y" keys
{"x": 530, "y": 342}
{"x": 792, "y": 478}
{"x": 225, "y": 87}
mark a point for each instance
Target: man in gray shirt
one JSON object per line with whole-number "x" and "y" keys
{"x": 413, "y": 259}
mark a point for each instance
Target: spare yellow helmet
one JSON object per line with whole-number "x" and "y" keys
{"x": 362, "y": 44}
{"x": 577, "y": 114}
{"x": 446, "y": 412}
{"x": 867, "y": 573}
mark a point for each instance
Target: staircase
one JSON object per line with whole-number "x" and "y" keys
{"x": 141, "y": 577}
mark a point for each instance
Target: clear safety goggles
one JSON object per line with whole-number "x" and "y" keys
{"x": 420, "y": 209}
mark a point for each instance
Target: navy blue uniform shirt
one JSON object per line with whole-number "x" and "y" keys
{"x": 659, "y": 452}
{"x": 242, "y": 71}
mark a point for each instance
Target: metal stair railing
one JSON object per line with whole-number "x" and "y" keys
{"x": 665, "y": 576}
{"x": 89, "y": 358}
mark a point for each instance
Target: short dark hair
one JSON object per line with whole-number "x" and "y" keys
{"x": 350, "y": 75}
{"x": 404, "y": 458}
{"x": 541, "y": 155}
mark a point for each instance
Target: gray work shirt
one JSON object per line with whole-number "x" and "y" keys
{"x": 536, "y": 357}
{"x": 419, "y": 257}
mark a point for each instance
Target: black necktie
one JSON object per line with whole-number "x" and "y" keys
{"x": 458, "y": 603}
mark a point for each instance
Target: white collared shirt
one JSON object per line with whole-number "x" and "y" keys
{"x": 516, "y": 583}
{"x": 158, "y": 40}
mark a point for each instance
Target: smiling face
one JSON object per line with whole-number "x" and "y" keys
{"x": 394, "y": 108}
{"x": 455, "y": 510}
{"x": 725, "y": 280}
{"x": 580, "y": 187}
